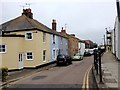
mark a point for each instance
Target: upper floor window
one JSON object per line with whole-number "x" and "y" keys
{"x": 2, "y": 48}
{"x": 53, "y": 39}
{"x": 44, "y": 37}
{"x": 28, "y": 35}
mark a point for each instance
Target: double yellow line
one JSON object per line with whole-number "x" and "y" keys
{"x": 85, "y": 85}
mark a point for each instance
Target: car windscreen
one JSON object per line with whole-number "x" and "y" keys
{"x": 77, "y": 55}
{"x": 61, "y": 56}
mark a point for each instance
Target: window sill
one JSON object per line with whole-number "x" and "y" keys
{"x": 28, "y": 39}
{"x": 44, "y": 61}
{"x": 29, "y": 59}
{"x": 53, "y": 59}
{"x": 2, "y": 52}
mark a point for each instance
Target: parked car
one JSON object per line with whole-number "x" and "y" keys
{"x": 64, "y": 59}
{"x": 91, "y": 51}
{"x": 88, "y": 52}
{"x": 102, "y": 49}
{"x": 77, "y": 56}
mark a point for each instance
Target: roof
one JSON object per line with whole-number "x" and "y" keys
{"x": 23, "y": 23}
{"x": 88, "y": 41}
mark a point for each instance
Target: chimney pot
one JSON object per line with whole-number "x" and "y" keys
{"x": 54, "y": 21}
{"x": 62, "y": 28}
{"x": 28, "y": 13}
{"x": 63, "y": 31}
{"x": 73, "y": 35}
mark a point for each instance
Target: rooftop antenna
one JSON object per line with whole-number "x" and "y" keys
{"x": 28, "y": 4}
{"x": 22, "y": 6}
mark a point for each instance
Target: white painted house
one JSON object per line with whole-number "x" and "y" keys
{"x": 117, "y": 38}
{"x": 81, "y": 48}
{"x": 116, "y": 34}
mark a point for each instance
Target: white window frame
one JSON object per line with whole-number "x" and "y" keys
{"x": 5, "y": 48}
{"x": 44, "y": 37}
{"x": 26, "y": 36}
{"x": 57, "y": 52}
{"x": 44, "y": 56}
{"x": 27, "y": 55}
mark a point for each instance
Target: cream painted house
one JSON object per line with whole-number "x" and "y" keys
{"x": 27, "y": 43}
{"x": 24, "y": 42}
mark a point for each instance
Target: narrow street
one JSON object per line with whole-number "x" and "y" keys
{"x": 70, "y": 76}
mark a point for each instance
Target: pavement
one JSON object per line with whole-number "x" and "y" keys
{"x": 110, "y": 73}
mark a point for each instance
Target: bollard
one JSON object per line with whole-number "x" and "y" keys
{"x": 96, "y": 60}
{"x": 100, "y": 70}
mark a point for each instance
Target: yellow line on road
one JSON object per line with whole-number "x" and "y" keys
{"x": 86, "y": 79}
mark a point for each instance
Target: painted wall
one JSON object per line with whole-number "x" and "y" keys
{"x": 53, "y": 47}
{"x": 18, "y": 44}
{"x": 117, "y": 33}
{"x": 14, "y": 45}
{"x": 73, "y": 45}
{"x": 37, "y": 46}
{"x": 113, "y": 41}
{"x": 81, "y": 47}
{"x": 63, "y": 45}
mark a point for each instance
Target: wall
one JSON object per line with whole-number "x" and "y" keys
{"x": 53, "y": 46}
{"x": 73, "y": 45}
{"x": 117, "y": 33}
{"x": 14, "y": 46}
{"x": 81, "y": 47}
{"x": 63, "y": 45}
{"x": 37, "y": 46}
{"x": 113, "y": 41}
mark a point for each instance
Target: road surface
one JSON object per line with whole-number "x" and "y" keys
{"x": 71, "y": 76}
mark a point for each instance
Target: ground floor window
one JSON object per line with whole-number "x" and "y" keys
{"x": 44, "y": 55}
{"x": 2, "y": 48}
{"x": 29, "y": 56}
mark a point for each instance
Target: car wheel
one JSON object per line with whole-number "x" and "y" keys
{"x": 66, "y": 63}
{"x": 57, "y": 64}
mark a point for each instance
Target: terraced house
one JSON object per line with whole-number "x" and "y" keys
{"x": 72, "y": 42}
{"x": 58, "y": 44}
{"x": 27, "y": 43}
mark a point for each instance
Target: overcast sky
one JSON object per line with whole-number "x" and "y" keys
{"x": 87, "y": 19}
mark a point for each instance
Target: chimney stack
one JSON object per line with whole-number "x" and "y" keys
{"x": 54, "y": 25}
{"x": 118, "y": 9}
{"x": 63, "y": 31}
{"x": 28, "y": 13}
{"x": 73, "y": 35}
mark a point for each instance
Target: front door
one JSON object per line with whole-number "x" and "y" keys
{"x": 20, "y": 60}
